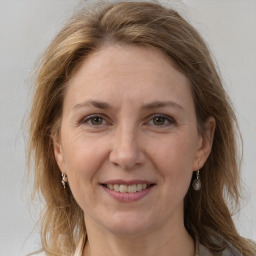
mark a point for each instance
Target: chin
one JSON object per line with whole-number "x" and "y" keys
{"x": 129, "y": 225}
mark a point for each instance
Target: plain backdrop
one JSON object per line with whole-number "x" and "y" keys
{"x": 27, "y": 27}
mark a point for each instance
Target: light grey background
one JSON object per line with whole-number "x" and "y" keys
{"x": 27, "y": 27}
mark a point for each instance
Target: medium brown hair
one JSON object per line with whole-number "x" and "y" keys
{"x": 206, "y": 212}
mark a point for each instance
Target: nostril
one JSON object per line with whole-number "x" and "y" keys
{"x": 126, "y": 155}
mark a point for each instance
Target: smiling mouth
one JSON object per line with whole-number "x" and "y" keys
{"x": 122, "y": 188}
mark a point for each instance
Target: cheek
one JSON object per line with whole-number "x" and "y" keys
{"x": 176, "y": 153}
{"x": 82, "y": 177}
{"x": 83, "y": 158}
{"x": 174, "y": 160}
{"x": 81, "y": 152}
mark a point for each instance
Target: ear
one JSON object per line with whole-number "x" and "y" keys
{"x": 58, "y": 153}
{"x": 205, "y": 143}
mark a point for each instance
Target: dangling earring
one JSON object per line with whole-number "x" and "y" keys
{"x": 64, "y": 179}
{"x": 197, "y": 182}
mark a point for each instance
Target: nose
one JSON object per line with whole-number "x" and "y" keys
{"x": 126, "y": 151}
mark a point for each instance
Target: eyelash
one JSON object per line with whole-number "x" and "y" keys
{"x": 169, "y": 119}
{"x": 88, "y": 120}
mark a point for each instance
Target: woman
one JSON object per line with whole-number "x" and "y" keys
{"x": 132, "y": 137}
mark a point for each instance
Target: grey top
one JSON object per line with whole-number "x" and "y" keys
{"x": 230, "y": 250}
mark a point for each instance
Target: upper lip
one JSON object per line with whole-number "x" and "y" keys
{"x": 127, "y": 182}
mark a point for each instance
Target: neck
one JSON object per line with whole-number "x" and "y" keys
{"x": 166, "y": 241}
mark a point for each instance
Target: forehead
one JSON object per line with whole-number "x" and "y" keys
{"x": 125, "y": 71}
{"x": 125, "y": 59}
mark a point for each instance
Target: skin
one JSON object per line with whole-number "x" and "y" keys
{"x": 133, "y": 137}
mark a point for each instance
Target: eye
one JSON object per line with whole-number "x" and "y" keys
{"x": 96, "y": 120}
{"x": 161, "y": 120}
{"x": 93, "y": 120}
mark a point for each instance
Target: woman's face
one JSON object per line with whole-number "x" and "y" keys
{"x": 129, "y": 140}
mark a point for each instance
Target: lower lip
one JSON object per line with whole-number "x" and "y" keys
{"x": 128, "y": 197}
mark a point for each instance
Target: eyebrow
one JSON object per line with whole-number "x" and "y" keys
{"x": 149, "y": 106}
{"x": 97, "y": 104}
{"x": 161, "y": 104}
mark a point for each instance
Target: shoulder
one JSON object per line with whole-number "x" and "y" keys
{"x": 78, "y": 252}
{"x": 229, "y": 251}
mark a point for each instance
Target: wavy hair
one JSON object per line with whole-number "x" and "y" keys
{"x": 206, "y": 212}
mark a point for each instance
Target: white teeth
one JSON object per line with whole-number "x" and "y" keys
{"x": 139, "y": 187}
{"x": 123, "y": 189}
{"x": 116, "y": 187}
{"x": 127, "y": 189}
{"x": 132, "y": 188}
